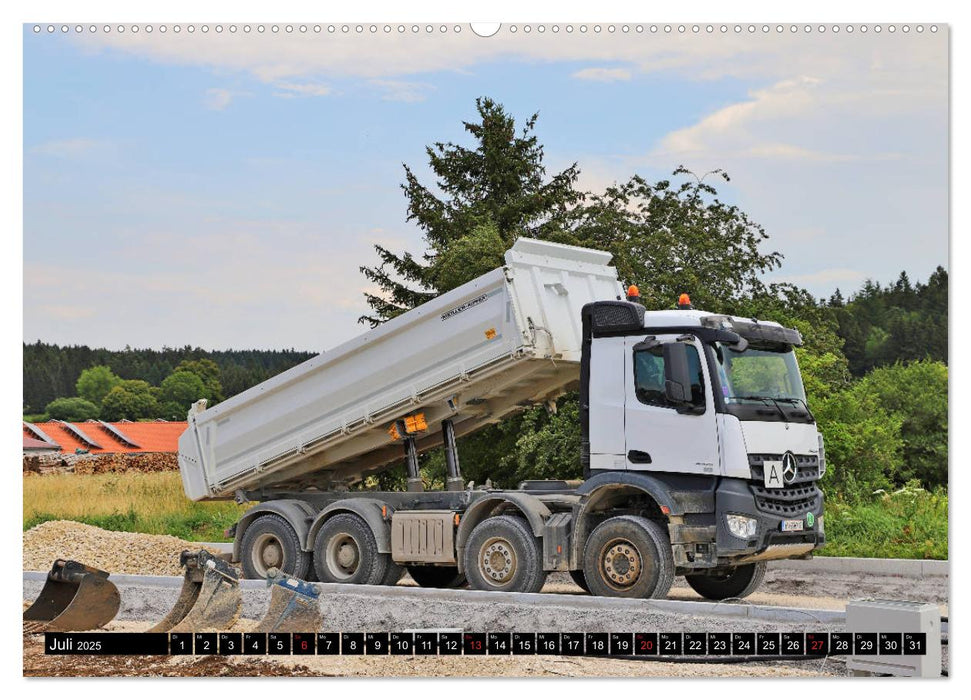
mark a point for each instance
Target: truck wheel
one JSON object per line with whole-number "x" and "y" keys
{"x": 502, "y": 554}
{"x": 629, "y": 557}
{"x": 393, "y": 574}
{"x": 580, "y": 580}
{"x": 345, "y": 551}
{"x": 437, "y": 576}
{"x": 736, "y": 583}
{"x": 270, "y": 541}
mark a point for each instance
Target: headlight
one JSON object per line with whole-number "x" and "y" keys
{"x": 819, "y": 525}
{"x": 741, "y": 526}
{"x": 822, "y": 456}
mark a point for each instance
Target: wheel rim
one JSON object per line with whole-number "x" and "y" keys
{"x": 621, "y": 564}
{"x": 343, "y": 556}
{"x": 268, "y": 553}
{"x": 497, "y": 561}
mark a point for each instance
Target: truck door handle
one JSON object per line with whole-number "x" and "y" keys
{"x": 638, "y": 457}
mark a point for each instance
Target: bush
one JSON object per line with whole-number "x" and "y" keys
{"x": 132, "y": 399}
{"x": 863, "y": 445}
{"x": 916, "y": 395}
{"x": 910, "y": 523}
{"x": 73, "y": 409}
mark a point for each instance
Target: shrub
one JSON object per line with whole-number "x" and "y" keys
{"x": 73, "y": 409}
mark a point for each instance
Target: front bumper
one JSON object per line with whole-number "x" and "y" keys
{"x": 706, "y": 542}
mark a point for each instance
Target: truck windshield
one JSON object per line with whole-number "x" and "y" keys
{"x": 759, "y": 375}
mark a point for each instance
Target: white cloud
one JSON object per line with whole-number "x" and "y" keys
{"x": 795, "y": 120}
{"x": 292, "y": 89}
{"x": 739, "y": 128}
{"x": 897, "y": 61}
{"x": 403, "y": 91}
{"x": 67, "y": 148}
{"x": 218, "y": 98}
{"x": 603, "y": 75}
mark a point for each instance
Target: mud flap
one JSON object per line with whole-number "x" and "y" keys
{"x": 75, "y": 597}
{"x": 294, "y": 605}
{"x": 210, "y": 597}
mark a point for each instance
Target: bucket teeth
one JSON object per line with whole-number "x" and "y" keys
{"x": 210, "y": 598}
{"x": 75, "y": 597}
{"x": 294, "y": 605}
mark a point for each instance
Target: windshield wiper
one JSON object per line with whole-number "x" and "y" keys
{"x": 805, "y": 405}
{"x": 766, "y": 400}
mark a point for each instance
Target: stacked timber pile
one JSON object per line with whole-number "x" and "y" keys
{"x": 115, "y": 552}
{"x": 101, "y": 463}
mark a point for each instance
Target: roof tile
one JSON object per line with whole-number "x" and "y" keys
{"x": 150, "y": 437}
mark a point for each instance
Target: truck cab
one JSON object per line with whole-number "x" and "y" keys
{"x": 709, "y": 410}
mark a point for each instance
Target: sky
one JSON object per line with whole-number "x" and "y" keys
{"x": 222, "y": 189}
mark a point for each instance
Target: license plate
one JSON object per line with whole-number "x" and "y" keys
{"x": 791, "y": 525}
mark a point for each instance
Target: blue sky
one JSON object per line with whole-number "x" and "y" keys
{"x": 222, "y": 191}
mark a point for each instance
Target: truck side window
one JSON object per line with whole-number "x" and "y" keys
{"x": 649, "y": 377}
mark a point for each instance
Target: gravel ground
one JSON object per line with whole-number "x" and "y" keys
{"x": 143, "y": 605}
{"x": 799, "y": 589}
{"x": 360, "y": 613}
{"x": 115, "y": 552}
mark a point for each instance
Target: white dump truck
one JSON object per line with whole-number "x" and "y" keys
{"x": 700, "y": 456}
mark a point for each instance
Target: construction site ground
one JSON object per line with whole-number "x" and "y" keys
{"x": 145, "y": 604}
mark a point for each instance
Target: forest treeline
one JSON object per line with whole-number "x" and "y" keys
{"x": 52, "y": 371}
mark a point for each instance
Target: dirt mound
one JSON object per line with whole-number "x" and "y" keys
{"x": 116, "y": 552}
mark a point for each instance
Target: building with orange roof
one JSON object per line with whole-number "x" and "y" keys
{"x": 100, "y": 437}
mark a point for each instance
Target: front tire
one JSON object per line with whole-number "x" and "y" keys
{"x": 629, "y": 557}
{"x": 345, "y": 551}
{"x": 739, "y": 582}
{"x": 271, "y": 542}
{"x": 502, "y": 554}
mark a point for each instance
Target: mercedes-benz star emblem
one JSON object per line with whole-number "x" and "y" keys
{"x": 789, "y": 470}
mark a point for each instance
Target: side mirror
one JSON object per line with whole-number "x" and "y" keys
{"x": 677, "y": 379}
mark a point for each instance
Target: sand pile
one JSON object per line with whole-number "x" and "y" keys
{"x": 115, "y": 552}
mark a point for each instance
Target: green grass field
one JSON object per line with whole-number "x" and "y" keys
{"x": 909, "y": 524}
{"x": 152, "y": 503}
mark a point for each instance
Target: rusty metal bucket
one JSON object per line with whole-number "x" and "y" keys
{"x": 294, "y": 605}
{"x": 210, "y": 598}
{"x": 75, "y": 597}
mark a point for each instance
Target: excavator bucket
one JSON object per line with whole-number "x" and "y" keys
{"x": 293, "y": 605}
{"x": 210, "y": 597}
{"x": 75, "y": 597}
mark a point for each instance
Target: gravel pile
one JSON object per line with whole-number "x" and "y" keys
{"x": 115, "y": 552}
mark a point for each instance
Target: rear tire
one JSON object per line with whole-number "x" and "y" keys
{"x": 393, "y": 574}
{"x": 740, "y": 582}
{"x": 270, "y": 541}
{"x": 502, "y": 554}
{"x": 437, "y": 576}
{"x": 580, "y": 580}
{"x": 629, "y": 557}
{"x": 345, "y": 551}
